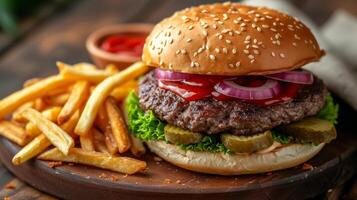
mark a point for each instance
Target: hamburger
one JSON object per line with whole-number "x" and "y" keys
{"x": 227, "y": 93}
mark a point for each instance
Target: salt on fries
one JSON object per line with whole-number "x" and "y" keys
{"x": 39, "y": 89}
{"x": 119, "y": 164}
{"x": 102, "y": 91}
{"x": 78, "y": 107}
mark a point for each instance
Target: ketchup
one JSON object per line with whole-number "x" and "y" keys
{"x": 197, "y": 89}
{"x": 124, "y": 44}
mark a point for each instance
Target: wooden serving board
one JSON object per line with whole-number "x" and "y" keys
{"x": 332, "y": 166}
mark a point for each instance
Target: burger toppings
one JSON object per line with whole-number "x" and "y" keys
{"x": 261, "y": 90}
{"x": 247, "y": 144}
{"x": 146, "y": 126}
{"x": 129, "y": 45}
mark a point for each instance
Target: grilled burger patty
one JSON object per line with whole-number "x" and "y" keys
{"x": 238, "y": 117}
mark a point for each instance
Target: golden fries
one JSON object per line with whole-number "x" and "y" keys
{"x": 87, "y": 141}
{"x": 55, "y": 134}
{"x": 102, "y": 91}
{"x": 31, "y": 82}
{"x": 58, "y": 100}
{"x": 17, "y": 117}
{"x": 137, "y": 146}
{"x": 51, "y": 114}
{"x": 78, "y": 96}
{"x": 39, "y": 89}
{"x": 77, "y": 74}
{"x": 32, "y": 149}
{"x": 102, "y": 122}
{"x": 99, "y": 142}
{"x": 118, "y": 125}
{"x": 40, "y": 143}
{"x": 118, "y": 164}
{"x": 14, "y": 133}
{"x": 122, "y": 91}
{"x": 81, "y": 66}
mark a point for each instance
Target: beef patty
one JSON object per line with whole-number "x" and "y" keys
{"x": 238, "y": 117}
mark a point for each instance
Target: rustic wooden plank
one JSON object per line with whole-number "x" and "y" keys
{"x": 17, "y": 190}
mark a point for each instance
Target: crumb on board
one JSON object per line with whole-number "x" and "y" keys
{"x": 269, "y": 173}
{"x": 109, "y": 177}
{"x": 157, "y": 159}
{"x": 307, "y": 166}
{"x": 10, "y": 186}
{"x": 178, "y": 181}
{"x": 54, "y": 164}
{"x": 6, "y": 198}
{"x": 167, "y": 181}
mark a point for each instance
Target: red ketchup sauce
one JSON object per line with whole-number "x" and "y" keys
{"x": 200, "y": 88}
{"x": 124, "y": 44}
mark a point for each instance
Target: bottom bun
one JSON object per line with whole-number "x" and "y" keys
{"x": 234, "y": 164}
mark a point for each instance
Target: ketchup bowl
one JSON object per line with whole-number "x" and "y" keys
{"x": 120, "y": 45}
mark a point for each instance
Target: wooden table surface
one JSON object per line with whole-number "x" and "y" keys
{"x": 59, "y": 35}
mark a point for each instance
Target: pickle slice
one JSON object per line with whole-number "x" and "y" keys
{"x": 177, "y": 135}
{"x": 310, "y": 130}
{"x": 247, "y": 144}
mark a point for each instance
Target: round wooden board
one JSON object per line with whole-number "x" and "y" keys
{"x": 333, "y": 165}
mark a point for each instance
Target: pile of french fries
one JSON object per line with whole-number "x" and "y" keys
{"x": 74, "y": 116}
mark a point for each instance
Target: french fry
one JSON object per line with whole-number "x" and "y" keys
{"x": 83, "y": 66}
{"x": 32, "y": 149}
{"x": 14, "y": 133}
{"x": 137, "y": 146}
{"x": 58, "y": 100}
{"x": 76, "y": 74}
{"x": 17, "y": 117}
{"x": 118, "y": 164}
{"x": 102, "y": 91}
{"x": 37, "y": 90}
{"x": 118, "y": 125}
{"x": 40, "y": 104}
{"x": 87, "y": 141}
{"x": 51, "y": 114}
{"x": 122, "y": 91}
{"x": 78, "y": 96}
{"x": 102, "y": 122}
{"x": 55, "y": 134}
{"x": 99, "y": 142}
{"x": 31, "y": 82}
{"x": 40, "y": 143}
{"x": 111, "y": 68}
{"x": 58, "y": 91}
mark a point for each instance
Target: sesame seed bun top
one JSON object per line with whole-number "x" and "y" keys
{"x": 230, "y": 39}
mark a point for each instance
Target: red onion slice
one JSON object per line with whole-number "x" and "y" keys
{"x": 269, "y": 89}
{"x": 171, "y": 76}
{"x": 300, "y": 77}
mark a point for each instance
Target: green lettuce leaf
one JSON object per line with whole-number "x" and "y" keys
{"x": 210, "y": 143}
{"x": 144, "y": 125}
{"x": 281, "y": 138}
{"x": 330, "y": 110}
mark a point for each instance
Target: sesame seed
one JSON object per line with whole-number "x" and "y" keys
{"x": 282, "y": 55}
{"x": 197, "y": 64}
{"x": 248, "y": 37}
{"x": 224, "y": 49}
{"x": 250, "y": 56}
{"x": 220, "y": 37}
{"x": 246, "y": 51}
{"x": 192, "y": 64}
{"x": 237, "y": 64}
{"x": 242, "y": 24}
{"x": 205, "y": 26}
{"x": 217, "y": 50}
{"x": 239, "y": 18}
{"x": 294, "y": 44}
{"x": 189, "y": 40}
{"x": 212, "y": 57}
{"x": 237, "y": 32}
{"x": 231, "y": 65}
{"x": 171, "y": 40}
{"x": 190, "y": 27}
{"x": 204, "y": 11}
{"x": 183, "y": 51}
{"x": 273, "y": 54}
{"x": 246, "y": 41}
{"x": 184, "y": 17}
{"x": 225, "y": 16}
{"x": 170, "y": 65}
{"x": 252, "y": 61}
{"x": 160, "y": 51}
{"x": 200, "y": 50}
{"x": 273, "y": 29}
{"x": 216, "y": 19}
{"x": 179, "y": 32}
{"x": 296, "y": 37}
{"x": 205, "y": 33}
{"x": 234, "y": 51}
{"x": 254, "y": 25}
{"x": 274, "y": 24}
{"x": 178, "y": 51}
{"x": 247, "y": 46}
{"x": 220, "y": 22}
{"x": 214, "y": 26}
{"x": 265, "y": 26}
{"x": 255, "y": 46}
{"x": 269, "y": 17}
{"x": 255, "y": 41}
{"x": 235, "y": 21}
{"x": 230, "y": 33}
{"x": 259, "y": 29}
{"x": 195, "y": 54}
{"x": 228, "y": 42}
{"x": 256, "y": 52}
